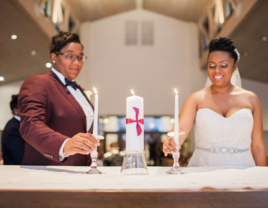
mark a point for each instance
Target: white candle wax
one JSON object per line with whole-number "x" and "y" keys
{"x": 176, "y": 118}
{"x": 96, "y": 121}
{"x": 134, "y": 142}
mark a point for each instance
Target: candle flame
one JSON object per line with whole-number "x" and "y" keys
{"x": 95, "y": 90}
{"x": 175, "y": 90}
{"x": 132, "y": 91}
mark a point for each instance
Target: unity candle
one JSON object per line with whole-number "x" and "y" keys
{"x": 96, "y": 121}
{"x": 134, "y": 124}
{"x": 176, "y": 118}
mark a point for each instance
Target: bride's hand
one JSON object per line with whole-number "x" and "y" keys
{"x": 169, "y": 146}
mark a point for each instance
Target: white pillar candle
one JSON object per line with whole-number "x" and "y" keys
{"x": 176, "y": 118}
{"x": 134, "y": 124}
{"x": 96, "y": 120}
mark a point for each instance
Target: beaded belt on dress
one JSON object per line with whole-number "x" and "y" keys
{"x": 223, "y": 150}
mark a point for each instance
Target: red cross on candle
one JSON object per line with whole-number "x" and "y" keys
{"x": 138, "y": 127}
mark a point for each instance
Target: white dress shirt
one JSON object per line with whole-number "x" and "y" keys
{"x": 16, "y": 117}
{"x": 80, "y": 98}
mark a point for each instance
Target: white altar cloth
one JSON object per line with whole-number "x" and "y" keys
{"x": 75, "y": 178}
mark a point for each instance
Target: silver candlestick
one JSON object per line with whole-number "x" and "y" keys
{"x": 94, "y": 166}
{"x": 175, "y": 170}
{"x": 94, "y": 157}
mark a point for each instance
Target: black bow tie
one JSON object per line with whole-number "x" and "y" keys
{"x": 71, "y": 83}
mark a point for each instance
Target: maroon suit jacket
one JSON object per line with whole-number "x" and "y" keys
{"x": 49, "y": 115}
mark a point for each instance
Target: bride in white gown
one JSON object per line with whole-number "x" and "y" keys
{"x": 227, "y": 119}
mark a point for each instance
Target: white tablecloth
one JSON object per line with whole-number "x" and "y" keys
{"x": 75, "y": 178}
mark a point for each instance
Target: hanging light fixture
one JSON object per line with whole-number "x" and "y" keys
{"x": 57, "y": 16}
{"x": 219, "y": 14}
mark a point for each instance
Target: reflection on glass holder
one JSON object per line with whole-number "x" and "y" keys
{"x": 94, "y": 167}
{"x": 176, "y": 169}
{"x": 134, "y": 163}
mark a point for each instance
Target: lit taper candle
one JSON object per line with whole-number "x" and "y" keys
{"x": 96, "y": 120}
{"x": 176, "y": 118}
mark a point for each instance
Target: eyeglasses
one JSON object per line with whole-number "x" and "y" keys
{"x": 72, "y": 57}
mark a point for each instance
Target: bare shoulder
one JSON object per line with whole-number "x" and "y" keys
{"x": 197, "y": 96}
{"x": 251, "y": 96}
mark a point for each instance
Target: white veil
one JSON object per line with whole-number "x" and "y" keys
{"x": 235, "y": 79}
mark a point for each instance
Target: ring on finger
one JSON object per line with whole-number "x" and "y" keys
{"x": 165, "y": 147}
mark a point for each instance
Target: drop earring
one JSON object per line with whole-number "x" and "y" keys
{"x": 54, "y": 61}
{"x": 234, "y": 72}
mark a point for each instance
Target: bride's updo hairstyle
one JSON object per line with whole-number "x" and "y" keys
{"x": 224, "y": 44}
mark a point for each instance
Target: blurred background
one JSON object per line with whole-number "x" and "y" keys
{"x": 150, "y": 46}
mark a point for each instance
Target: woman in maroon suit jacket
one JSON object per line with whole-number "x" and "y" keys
{"x": 53, "y": 121}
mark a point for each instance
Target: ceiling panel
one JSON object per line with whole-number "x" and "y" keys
{"x": 91, "y": 10}
{"x": 187, "y": 10}
{"x": 16, "y": 61}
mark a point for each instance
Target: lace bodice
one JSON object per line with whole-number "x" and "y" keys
{"x": 214, "y": 132}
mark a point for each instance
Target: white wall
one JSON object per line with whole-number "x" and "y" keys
{"x": 152, "y": 71}
{"x": 5, "y": 93}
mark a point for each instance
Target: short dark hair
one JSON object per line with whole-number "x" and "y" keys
{"x": 62, "y": 39}
{"x": 223, "y": 44}
{"x": 14, "y": 102}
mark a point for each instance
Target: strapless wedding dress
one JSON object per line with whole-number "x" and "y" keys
{"x": 221, "y": 141}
